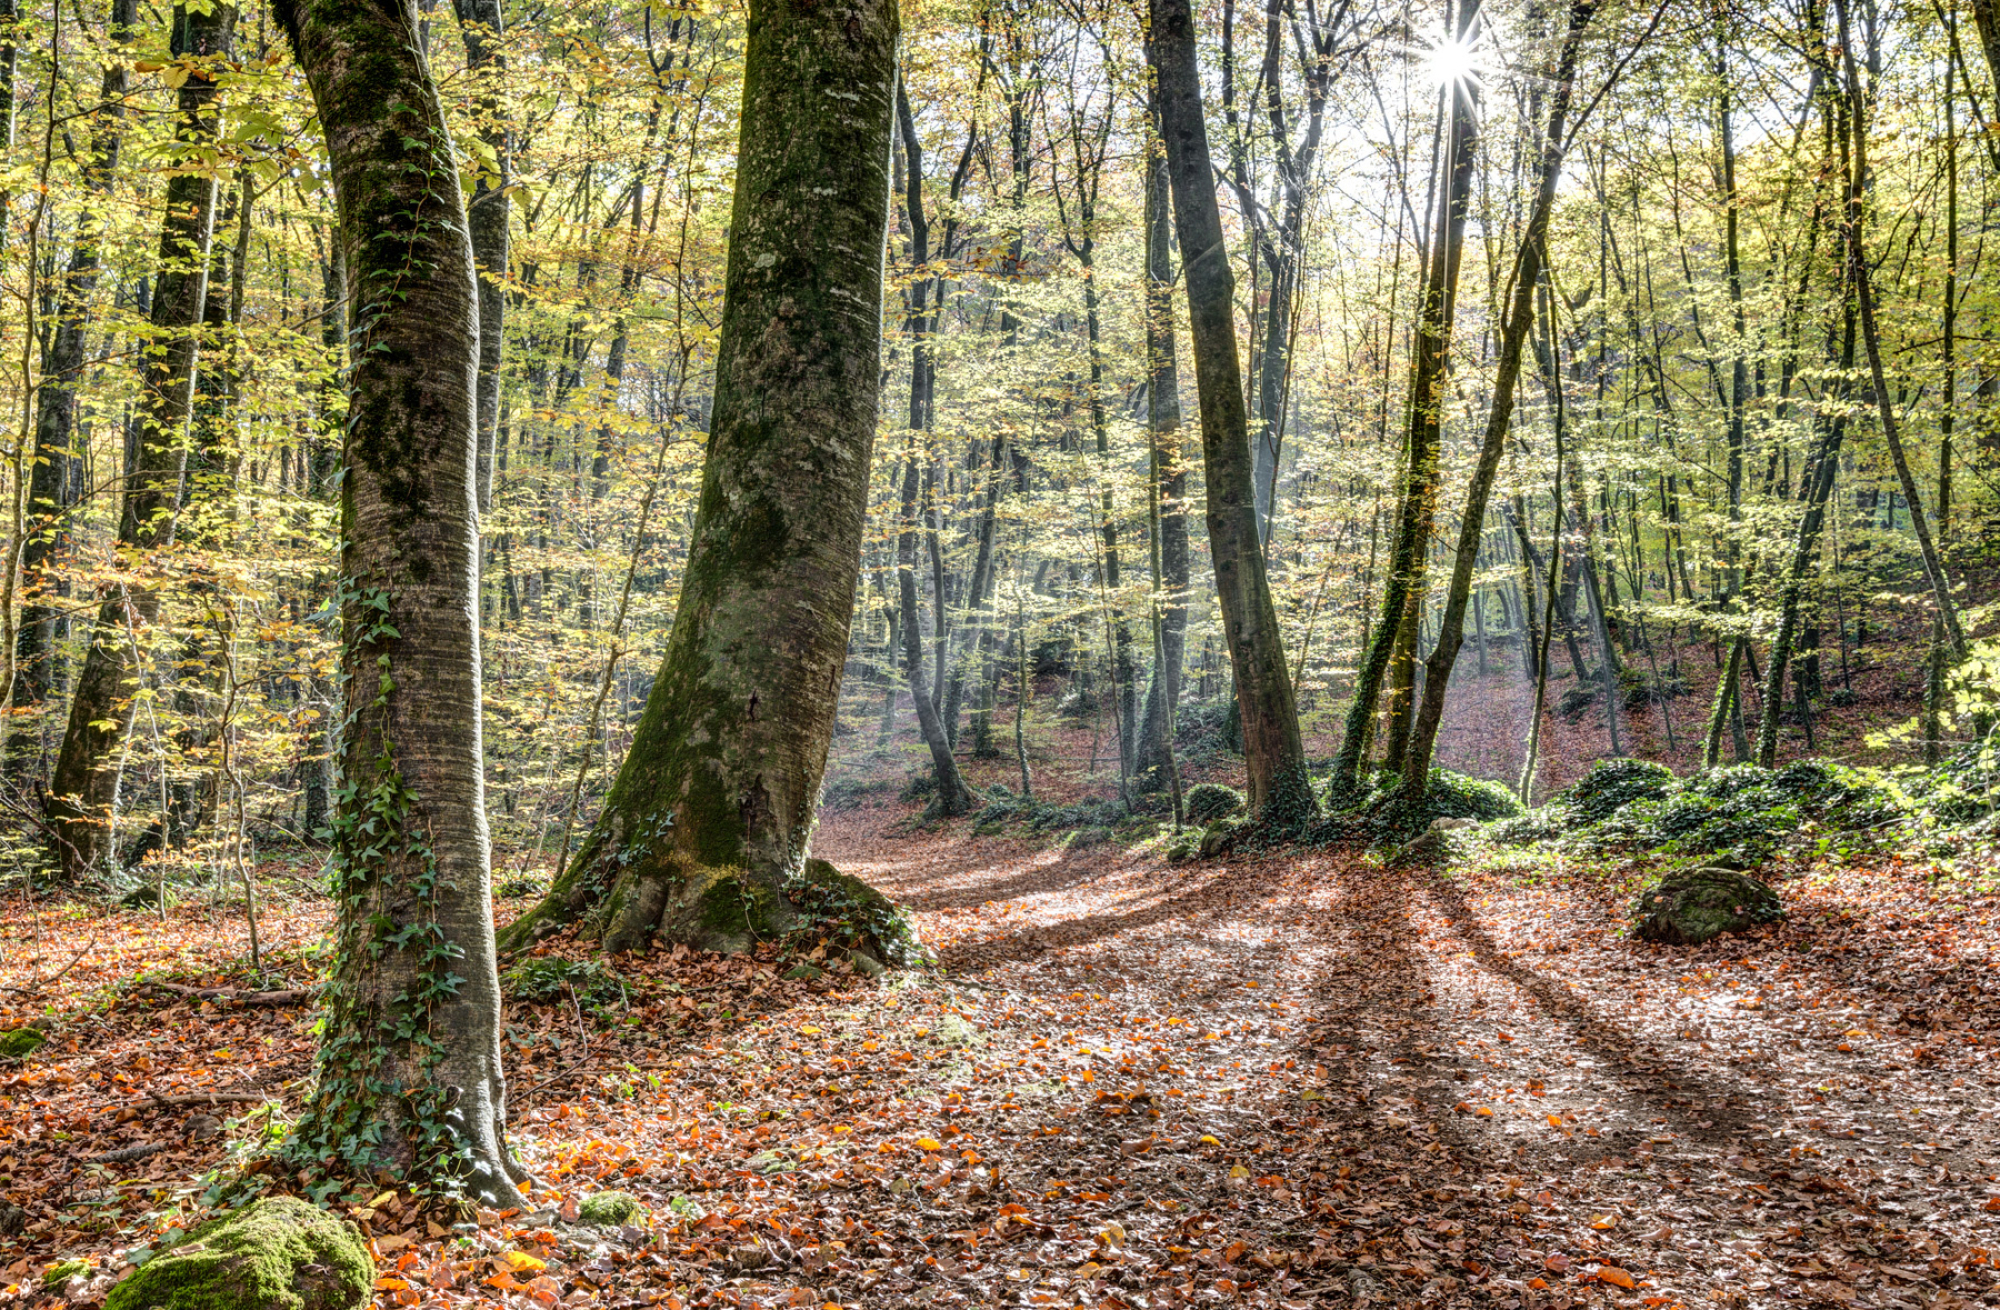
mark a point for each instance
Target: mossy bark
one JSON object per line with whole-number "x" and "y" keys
{"x": 409, "y": 1071}
{"x": 711, "y": 812}
{"x": 86, "y": 775}
{"x": 1274, "y": 754}
{"x": 1430, "y": 371}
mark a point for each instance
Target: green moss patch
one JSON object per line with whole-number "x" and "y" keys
{"x": 21, "y": 1043}
{"x": 276, "y": 1254}
{"x": 610, "y": 1209}
{"x": 1693, "y": 906}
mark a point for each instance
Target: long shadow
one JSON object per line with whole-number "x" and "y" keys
{"x": 1637, "y": 1072}
{"x": 1059, "y": 875}
{"x": 1194, "y": 904}
{"x": 1379, "y": 1021}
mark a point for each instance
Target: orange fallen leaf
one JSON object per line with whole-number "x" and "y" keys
{"x": 1615, "y": 1276}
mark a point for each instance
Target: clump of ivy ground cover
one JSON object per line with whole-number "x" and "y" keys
{"x": 1003, "y": 810}
{"x": 1740, "y": 815}
{"x": 545, "y": 978}
{"x": 1379, "y": 814}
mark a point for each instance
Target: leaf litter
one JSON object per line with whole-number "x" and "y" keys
{"x": 1300, "y": 1079}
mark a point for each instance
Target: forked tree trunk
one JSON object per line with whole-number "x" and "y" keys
{"x": 1429, "y": 370}
{"x": 1528, "y": 264}
{"x": 86, "y": 775}
{"x": 1272, "y": 750}
{"x": 706, "y": 827}
{"x": 409, "y": 1065}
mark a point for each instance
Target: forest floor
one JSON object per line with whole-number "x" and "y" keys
{"x": 1299, "y": 1079}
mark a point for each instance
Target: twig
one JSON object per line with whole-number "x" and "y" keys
{"x": 286, "y": 996}
{"x": 201, "y": 1098}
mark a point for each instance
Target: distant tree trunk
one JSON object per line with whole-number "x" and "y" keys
{"x": 1274, "y": 755}
{"x": 1430, "y": 366}
{"x": 1527, "y": 276}
{"x": 1167, "y": 475}
{"x": 709, "y": 818}
{"x": 482, "y": 24}
{"x": 1885, "y": 401}
{"x": 85, "y": 782}
{"x": 409, "y": 1066}
{"x": 952, "y": 795}
{"x": 52, "y": 485}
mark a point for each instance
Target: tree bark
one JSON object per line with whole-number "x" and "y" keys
{"x": 1274, "y": 755}
{"x": 409, "y": 1067}
{"x": 1528, "y": 264}
{"x": 52, "y": 484}
{"x": 1429, "y": 370}
{"x": 707, "y": 824}
{"x": 85, "y": 780}
{"x": 1168, "y": 492}
{"x": 482, "y": 25}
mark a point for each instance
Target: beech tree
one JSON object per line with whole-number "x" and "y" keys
{"x": 703, "y": 837}
{"x": 1273, "y": 752}
{"x": 85, "y": 780}
{"x": 409, "y": 1076}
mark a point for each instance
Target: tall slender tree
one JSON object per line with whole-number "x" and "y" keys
{"x": 85, "y": 781}
{"x": 1274, "y": 754}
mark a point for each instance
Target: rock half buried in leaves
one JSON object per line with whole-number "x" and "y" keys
{"x": 1690, "y": 907}
{"x": 275, "y": 1254}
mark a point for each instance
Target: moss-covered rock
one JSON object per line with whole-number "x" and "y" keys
{"x": 609, "y": 1209}
{"x": 1695, "y": 905}
{"x": 1208, "y": 801}
{"x": 275, "y": 1254}
{"x": 21, "y": 1043}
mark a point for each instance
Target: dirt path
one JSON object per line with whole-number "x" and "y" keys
{"x": 1308, "y": 1080}
{"x": 1298, "y": 1080}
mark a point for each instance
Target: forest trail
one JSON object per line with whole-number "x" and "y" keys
{"x": 1298, "y": 1079}
{"x": 1424, "y": 1090}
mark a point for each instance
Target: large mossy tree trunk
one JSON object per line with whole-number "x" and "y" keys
{"x": 708, "y": 821}
{"x": 1273, "y": 752}
{"x": 85, "y": 780}
{"x": 409, "y": 1076}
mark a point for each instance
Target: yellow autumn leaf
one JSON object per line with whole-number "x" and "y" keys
{"x": 521, "y": 1262}
{"x": 1238, "y": 1171}
{"x": 929, "y": 1144}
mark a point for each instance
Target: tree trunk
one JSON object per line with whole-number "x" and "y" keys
{"x": 1168, "y": 476}
{"x": 482, "y": 24}
{"x": 409, "y": 1067}
{"x": 1429, "y": 369}
{"x": 706, "y": 826}
{"x": 53, "y": 486}
{"x": 1273, "y": 753}
{"x": 85, "y": 781}
{"x": 1527, "y": 275}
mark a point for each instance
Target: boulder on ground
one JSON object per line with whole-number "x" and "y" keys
{"x": 279, "y": 1253}
{"x": 1692, "y": 906}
